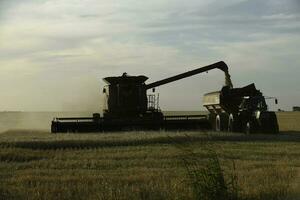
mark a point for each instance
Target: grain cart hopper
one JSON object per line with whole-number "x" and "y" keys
{"x": 129, "y": 106}
{"x": 240, "y": 110}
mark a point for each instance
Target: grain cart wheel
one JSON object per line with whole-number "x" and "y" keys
{"x": 224, "y": 121}
{"x": 221, "y": 122}
{"x": 232, "y": 123}
{"x": 212, "y": 120}
{"x": 218, "y": 123}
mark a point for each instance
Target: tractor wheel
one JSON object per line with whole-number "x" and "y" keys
{"x": 274, "y": 128}
{"x": 269, "y": 123}
{"x": 250, "y": 127}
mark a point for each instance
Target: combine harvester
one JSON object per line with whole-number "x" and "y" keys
{"x": 130, "y": 108}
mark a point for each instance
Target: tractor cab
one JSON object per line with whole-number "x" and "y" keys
{"x": 253, "y": 103}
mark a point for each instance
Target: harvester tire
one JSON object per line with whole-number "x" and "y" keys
{"x": 53, "y": 128}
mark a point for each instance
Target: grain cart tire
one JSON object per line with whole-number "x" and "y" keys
{"x": 233, "y": 123}
{"x": 221, "y": 122}
{"x": 224, "y": 121}
{"x": 248, "y": 127}
{"x": 218, "y": 123}
{"x": 212, "y": 120}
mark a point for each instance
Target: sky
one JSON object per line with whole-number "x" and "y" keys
{"x": 54, "y": 53}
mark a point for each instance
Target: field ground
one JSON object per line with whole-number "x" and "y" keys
{"x": 35, "y": 164}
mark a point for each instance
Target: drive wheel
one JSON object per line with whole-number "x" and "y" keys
{"x": 274, "y": 128}
{"x": 269, "y": 123}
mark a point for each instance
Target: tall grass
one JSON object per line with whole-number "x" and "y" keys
{"x": 206, "y": 176}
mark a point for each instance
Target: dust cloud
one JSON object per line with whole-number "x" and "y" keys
{"x": 36, "y": 108}
{"x": 80, "y": 95}
{"x": 33, "y": 120}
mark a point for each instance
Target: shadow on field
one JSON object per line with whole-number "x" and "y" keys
{"x": 87, "y": 144}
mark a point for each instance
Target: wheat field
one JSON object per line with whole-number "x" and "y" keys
{"x": 35, "y": 164}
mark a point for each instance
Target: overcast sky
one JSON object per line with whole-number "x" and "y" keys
{"x": 54, "y": 53}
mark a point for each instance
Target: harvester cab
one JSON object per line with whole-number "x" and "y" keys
{"x": 125, "y": 96}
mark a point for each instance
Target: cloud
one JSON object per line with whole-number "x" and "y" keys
{"x": 48, "y": 43}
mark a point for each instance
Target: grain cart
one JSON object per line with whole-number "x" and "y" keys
{"x": 240, "y": 110}
{"x": 129, "y": 107}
